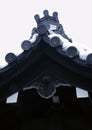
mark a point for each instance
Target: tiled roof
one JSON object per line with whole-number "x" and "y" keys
{"x": 50, "y": 47}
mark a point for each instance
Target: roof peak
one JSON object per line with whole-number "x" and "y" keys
{"x": 46, "y": 17}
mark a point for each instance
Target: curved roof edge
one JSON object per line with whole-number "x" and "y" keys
{"x": 48, "y": 40}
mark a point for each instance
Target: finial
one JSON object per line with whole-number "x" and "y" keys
{"x": 55, "y": 15}
{"x": 37, "y": 18}
{"x": 46, "y": 13}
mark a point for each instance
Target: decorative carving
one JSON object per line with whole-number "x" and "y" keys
{"x": 10, "y": 58}
{"x": 46, "y": 85}
{"x": 44, "y": 24}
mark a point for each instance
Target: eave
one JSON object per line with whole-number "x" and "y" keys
{"x": 44, "y": 58}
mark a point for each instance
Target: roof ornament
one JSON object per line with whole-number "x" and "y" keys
{"x": 26, "y": 45}
{"x": 51, "y": 31}
{"x": 10, "y": 58}
{"x": 49, "y": 24}
{"x": 46, "y": 13}
{"x": 48, "y": 55}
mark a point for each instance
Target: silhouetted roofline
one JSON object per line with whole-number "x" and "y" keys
{"x": 72, "y": 61}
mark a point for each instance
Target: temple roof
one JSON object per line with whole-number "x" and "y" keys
{"x": 49, "y": 58}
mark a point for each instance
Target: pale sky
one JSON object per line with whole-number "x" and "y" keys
{"x": 17, "y": 21}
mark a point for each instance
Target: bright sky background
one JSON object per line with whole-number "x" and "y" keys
{"x": 17, "y": 21}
